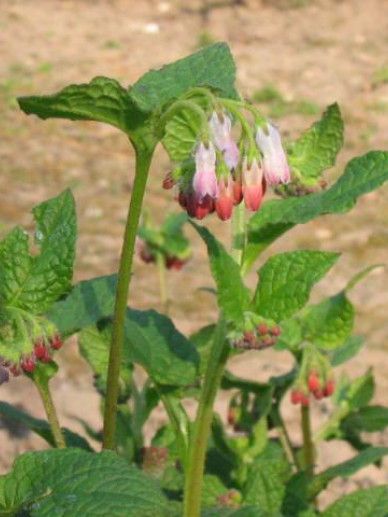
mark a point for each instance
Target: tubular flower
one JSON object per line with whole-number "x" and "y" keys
{"x": 225, "y": 199}
{"x": 252, "y": 184}
{"x": 205, "y": 180}
{"x": 275, "y": 166}
{"x": 221, "y": 127}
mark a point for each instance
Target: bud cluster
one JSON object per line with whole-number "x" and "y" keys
{"x": 263, "y": 336}
{"x": 315, "y": 379}
{"x": 148, "y": 256}
{"x": 42, "y": 352}
{"x": 225, "y": 173}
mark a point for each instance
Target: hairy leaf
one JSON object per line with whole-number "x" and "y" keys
{"x": 370, "y": 502}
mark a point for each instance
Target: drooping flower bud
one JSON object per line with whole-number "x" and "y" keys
{"x": 221, "y": 127}
{"x": 252, "y": 178}
{"x": 225, "y": 199}
{"x": 28, "y": 364}
{"x": 275, "y": 166}
{"x": 199, "y": 207}
{"x": 56, "y": 342}
{"x": 41, "y": 352}
{"x": 205, "y": 180}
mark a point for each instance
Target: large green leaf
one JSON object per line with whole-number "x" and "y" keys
{"x": 329, "y": 323}
{"x": 40, "y": 427}
{"x": 88, "y": 302}
{"x": 266, "y": 481}
{"x": 367, "y": 419}
{"x": 74, "y": 482}
{"x": 370, "y": 502}
{"x": 233, "y": 296}
{"x": 34, "y": 282}
{"x": 317, "y": 148}
{"x": 212, "y": 66}
{"x": 361, "y": 175}
{"x": 286, "y": 279}
{"x": 103, "y": 100}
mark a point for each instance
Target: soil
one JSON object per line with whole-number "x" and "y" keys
{"x": 317, "y": 51}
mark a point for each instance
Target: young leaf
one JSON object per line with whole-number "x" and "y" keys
{"x": 77, "y": 482}
{"x": 329, "y": 323}
{"x": 181, "y": 134}
{"x": 87, "y": 303}
{"x": 40, "y": 427}
{"x": 361, "y": 175}
{"x": 267, "y": 477}
{"x": 367, "y": 419}
{"x": 103, "y": 100}
{"x": 346, "y": 469}
{"x": 370, "y": 502}
{"x": 317, "y": 148}
{"x": 286, "y": 279}
{"x": 233, "y": 296}
{"x": 348, "y": 350}
{"x": 212, "y": 66}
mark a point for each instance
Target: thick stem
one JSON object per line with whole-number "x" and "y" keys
{"x": 202, "y": 425}
{"x": 308, "y": 446}
{"x": 143, "y": 161}
{"x": 238, "y": 232}
{"x": 48, "y": 404}
{"x": 284, "y": 437}
{"x": 162, "y": 282}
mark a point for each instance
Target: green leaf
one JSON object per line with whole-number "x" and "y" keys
{"x": 76, "y": 482}
{"x": 233, "y": 296}
{"x": 317, "y": 148}
{"x": 286, "y": 279}
{"x": 212, "y": 66}
{"x": 88, "y": 302}
{"x": 34, "y": 283}
{"x": 360, "y": 391}
{"x": 367, "y": 419}
{"x": 370, "y": 502}
{"x": 156, "y": 344}
{"x": 347, "y": 468}
{"x": 348, "y": 350}
{"x": 40, "y": 427}
{"x": 94, "y": 345}
{"x": 361, "y": 175}
{"x": 103, "y": 100}
{"x": 267, "y": 477}
{"x": 329, "y": 323}
{"x": 181, "y": 135}
{"x": 245, "y": 511}
{"x": 203, "y": 340}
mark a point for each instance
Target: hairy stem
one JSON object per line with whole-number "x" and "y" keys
{"x": 143, "y": 162}
{"x": 308, "y": 446}
{"x": 202, "y": 425}
{"x": 48, "y": 404}
{"x": 238, "y": 232}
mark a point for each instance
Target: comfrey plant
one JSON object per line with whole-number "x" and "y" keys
{"x": 224, "y": 156}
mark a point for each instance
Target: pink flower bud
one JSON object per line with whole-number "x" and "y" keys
{"x": 275, "y": 164}
{"x": 221, "y": 127}
{"x": 225, "y": 200}
{"x": 205, "y": 180}
{"x": 199, "y": 208}
{"x": 252, "y": 178}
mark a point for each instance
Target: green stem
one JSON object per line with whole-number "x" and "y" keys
{"x": 143, "y": 162}
{"x": 232, "y": 106}
{"x": 48, "y": 404}
{"x": 308, "y": 446}
{"x": 161, "y": 263}
{"x": 238, "y": 232}
{"x": 202, "y": 425}
{"x": 332, "y": 424}
{"x": 284, "y": 438}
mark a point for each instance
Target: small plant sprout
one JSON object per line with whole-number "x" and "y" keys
{"x": 225, "y": 156}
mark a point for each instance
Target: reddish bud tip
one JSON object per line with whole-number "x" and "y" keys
{"x": 275, "y": 331}
{"x": 237, "y": 192}
{"x": 313, "y": 382}
{"x": 15, "y": 370}
{"x": 296, "y": 396}
{"x": 329, "y": 388}
{"x": 28, "y": 364}
{"x": 249, "y": 336}
{"x": 182, "y": 199}
{"x": 168, "y": 182}
{"x": 41, "y": 352}
{"x": 174, "y": 263}
{"x": 262, "y": 329}
{"x": 318, "y": 394}
{"x": 305, "y": 401}
{"x": 224, "y": 207}
{"x": 56, "y": 342}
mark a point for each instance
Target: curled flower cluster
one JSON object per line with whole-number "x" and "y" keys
{"x": 316, "y": 386}
{"x": 146, "y": 254}
{"x": 225, "y": 174}
{"x": 262, "y": 337}
{"x": 42, "y": 352}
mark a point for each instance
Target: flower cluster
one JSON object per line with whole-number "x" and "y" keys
{"x": 225, "y": 173}
{"x": 149, "y": 257}
{"x": 261, "y": 337}
{"x": 42, "y": 352}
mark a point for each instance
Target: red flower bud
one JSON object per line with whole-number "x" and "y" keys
{"x": 305, "y": 401}
{"x": 249, "y": 336}
{"x": 328, "y": 390}
{"x": 41, "y": 352}
{"x": 237, "y": 192}
{"x": 56, "y": 342}
{"x": 275, "y": 331}
{"x": 168, "y": 182}
{"x": 313, "y": 382}
{"x": 318, "y": 394}
{"x": 28, "y": 364}
{"x": 296, "y": 396}
{"x": 262, "y": 329}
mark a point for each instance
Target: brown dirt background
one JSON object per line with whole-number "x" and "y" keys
{"x": 319, "y": 50}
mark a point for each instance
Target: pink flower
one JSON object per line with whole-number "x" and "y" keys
{"x": 205, "y": 180}
{"x": 225, "y": 200}
{"x": 221, "y": 127}
{"x": 253, "y": 190}
{"x": 275, "y": 164}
